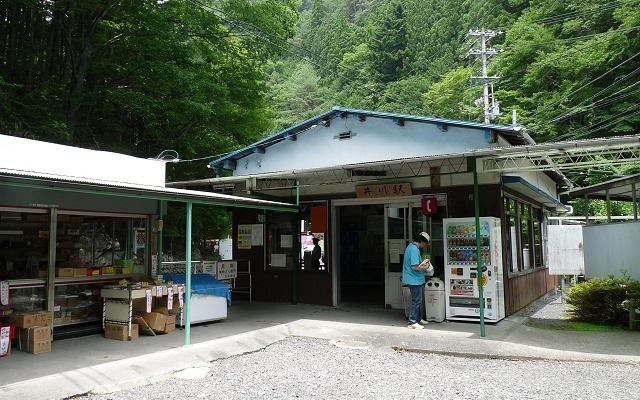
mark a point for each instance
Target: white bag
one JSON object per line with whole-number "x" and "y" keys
{"x": 430, "y": 271}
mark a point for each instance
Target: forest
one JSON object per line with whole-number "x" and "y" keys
{"x": 206, "y": 77}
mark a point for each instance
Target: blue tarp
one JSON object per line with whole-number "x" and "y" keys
{"x": 202, "y": 284}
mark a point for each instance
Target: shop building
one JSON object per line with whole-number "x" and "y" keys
{"x": 74, "y": 220}
{"x": 365, "y": 183}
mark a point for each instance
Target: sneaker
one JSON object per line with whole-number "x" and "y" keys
{"x": 423, "y": 322}
{"x": 415, "y": 326}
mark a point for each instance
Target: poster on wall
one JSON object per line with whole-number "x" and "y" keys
{"x": 286, "y": 241}
{"x": 257, "y": 235}
{"x": 244, "y": 236}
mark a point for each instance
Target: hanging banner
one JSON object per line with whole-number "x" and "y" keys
{"x": 4, "y": 293}
{"x": 4, "y": 340}
{"x": 149, "y": 299}
{"x": 154, "y": 264}
{"x": 180, "y": 296}
{"x": 169, "y": 297}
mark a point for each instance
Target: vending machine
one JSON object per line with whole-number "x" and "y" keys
{"x": 461, "y": 269}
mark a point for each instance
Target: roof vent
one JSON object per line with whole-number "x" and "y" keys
{"x": 345, "y": 135}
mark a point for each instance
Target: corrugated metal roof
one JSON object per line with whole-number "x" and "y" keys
{"x": 626, "y": 188}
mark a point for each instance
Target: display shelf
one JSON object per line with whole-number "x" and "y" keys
{"x": 118, "y": 303}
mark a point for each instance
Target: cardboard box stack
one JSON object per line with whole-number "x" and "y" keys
{"x": 120, "y": 331}
{"x": 33, "y": 331}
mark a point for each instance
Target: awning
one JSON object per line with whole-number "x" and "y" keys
{"x": 144, "y": 192}
{"x": 523, "y": 186}
{"x": 626, "y": 188}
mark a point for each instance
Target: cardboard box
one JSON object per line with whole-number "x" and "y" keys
{"x": 62, "y": 272}
{"x": 42, "y": 346}
{"x": 34, "y": 334}
{"x": 39, "y": 274}
{"x": 28, "y": 319}
{"x": 120, "y": 332}
{"x": 79, "y": 272}
{"x": 156, "y": 321}
{"x": 170, "y": 325}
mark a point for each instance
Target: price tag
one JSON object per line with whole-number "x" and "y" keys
{"x": 169, "y": 297}
{"x": 181, "y": 295}
{"x": 4, "y": 293}
{"x": 149, "y": 299}
{"x": 158, "y": 291}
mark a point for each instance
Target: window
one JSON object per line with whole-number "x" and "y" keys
{"x": 523, "y": 231}
{"x": 281, "y": 237}
{"x": 314, "y": 223}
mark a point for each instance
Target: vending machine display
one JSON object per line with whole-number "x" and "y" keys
{"x": 461, "y": 270}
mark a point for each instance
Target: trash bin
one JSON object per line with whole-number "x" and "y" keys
{"x": 406, "y": 300}
{"x": 434, "y": 300}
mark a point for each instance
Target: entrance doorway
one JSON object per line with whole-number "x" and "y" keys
{"x": 360, "y": 250}
{"x": 403, "y": 222}
{"x": 371, "y": 239}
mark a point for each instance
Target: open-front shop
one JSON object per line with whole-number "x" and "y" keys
{"x": 80, "y": 248}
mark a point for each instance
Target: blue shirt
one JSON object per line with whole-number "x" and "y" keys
{"x": 412, "y": 257}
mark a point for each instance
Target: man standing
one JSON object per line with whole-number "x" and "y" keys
{"x": 413, "y": 276}
{"x": 316, "y": 254}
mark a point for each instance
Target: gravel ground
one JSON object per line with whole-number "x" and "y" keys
{"x": 304, "y": 368}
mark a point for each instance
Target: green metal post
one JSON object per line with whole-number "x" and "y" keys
{"x": 476, "y": 209}
{"x": 295, "y": 221}
{"x": 187, "y": 289}
{"x": 160, "y": 228}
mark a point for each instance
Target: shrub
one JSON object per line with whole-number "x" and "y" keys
{"x": 599, "y": 300}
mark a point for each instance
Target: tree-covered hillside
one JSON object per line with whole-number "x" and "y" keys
{"x": 569, "y": 68}
{"x": 139, "y": 77}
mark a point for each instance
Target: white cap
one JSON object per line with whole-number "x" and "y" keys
{"x": 426, "y": 236}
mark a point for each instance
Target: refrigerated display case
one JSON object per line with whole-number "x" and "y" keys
{"x": 461, "y": 269}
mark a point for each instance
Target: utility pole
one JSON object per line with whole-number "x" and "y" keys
{"x": 491, "y": 109}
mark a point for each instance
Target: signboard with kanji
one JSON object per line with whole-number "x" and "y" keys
{"x": 384, "y": 190}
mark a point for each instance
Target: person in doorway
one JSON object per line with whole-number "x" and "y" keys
{"x": 316, "y": 254}
{"x": 413, "y": 276}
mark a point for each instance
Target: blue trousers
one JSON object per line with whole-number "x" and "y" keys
{"x": 415, "y": 309}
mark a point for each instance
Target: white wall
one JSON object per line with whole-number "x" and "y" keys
{"x": 611, "y": 248}
{"x": 375, "y": 139}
